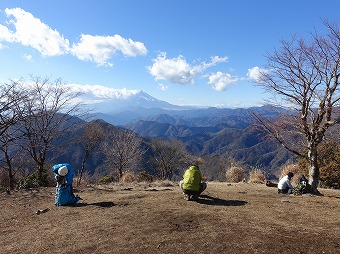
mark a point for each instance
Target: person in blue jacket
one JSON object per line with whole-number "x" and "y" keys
{"x": 64, "y": 174}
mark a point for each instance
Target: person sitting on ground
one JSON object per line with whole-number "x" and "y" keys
{"x": 284, "y": 186}
{"x": 192, "y": 185}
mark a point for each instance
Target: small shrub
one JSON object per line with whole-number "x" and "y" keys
{"x": 29, "y": 182}
{"x": 235, "y": 174}
{"x": 145, "y": 177}
{"x": 106, "y": 180}
{"x": 128, "y": 177}
{"x": 32, "y": 181}
{"x": 330, "y": 176}
{"x": 257, "y": 176}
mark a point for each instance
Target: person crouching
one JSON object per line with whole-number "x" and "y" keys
{"x": 192, "y": 185}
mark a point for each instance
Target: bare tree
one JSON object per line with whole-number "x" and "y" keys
{"x": 11, "y": 98}
{"x": 304, "y": 76}
{"x": 48, "y": 113}
{"x": 168, "y": 156}
{"x": 123, "y": 150}
{"x": 11, "y": 152}
{"x": 11, "y": 111}
{"x": 91, "y": 137}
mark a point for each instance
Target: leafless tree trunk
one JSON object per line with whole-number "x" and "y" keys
{"x": 7, "y": 142}
{"x": 304, "y": 77}
{"x": 8, "y": 161}
{"x": 123, "y": 150}
{"x": 168, "y": 156}
{"x": 90, "y": 138}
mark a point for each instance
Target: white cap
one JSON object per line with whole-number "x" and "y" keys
{"x": 62, "y": 171}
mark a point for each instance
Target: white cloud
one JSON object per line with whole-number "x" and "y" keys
{"x": 28, "y": 57}
{"x": 177, "y": 70}
{"x": 100, "y": 49}
{"x": 220, "y": 81}
{"x": 6, "y": 35}
{"x": 257, "y": 74}
{"x": 162, "y": 87}
{"x": 101, "y": 92}
{"x": 30, "y": 31}
{"x": 214, "y": 60}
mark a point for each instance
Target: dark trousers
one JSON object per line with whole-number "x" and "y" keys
{"x": 202, "y": 187}
{"x": 284, "y": 191}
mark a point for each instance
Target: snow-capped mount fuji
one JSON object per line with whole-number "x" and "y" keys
{"x": 144, "y": 100}
{"x": 120, "y": 110}
{"x": 133, "y": 101}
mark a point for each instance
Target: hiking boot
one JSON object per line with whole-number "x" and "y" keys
{"x": 194, "y": 197}
{"x": 186, "y": 197}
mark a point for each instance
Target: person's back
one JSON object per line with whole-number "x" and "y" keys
{"x": 192, "y": 179}
{"x": 191, "y": 184}
{"x": 284, "y": 185}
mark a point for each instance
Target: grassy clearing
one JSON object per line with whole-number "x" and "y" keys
{"x": 154, "y": 218}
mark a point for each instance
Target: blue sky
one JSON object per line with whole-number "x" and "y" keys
{"x": 185, "y": 52}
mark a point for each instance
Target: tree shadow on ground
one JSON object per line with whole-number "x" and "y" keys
{"x": 100, "y": 204}
{"x": 208, "y": 200}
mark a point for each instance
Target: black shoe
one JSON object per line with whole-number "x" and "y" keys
{"x": 194, "y": 197}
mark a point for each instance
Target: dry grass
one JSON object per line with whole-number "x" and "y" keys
{"x": 257, "y": 176}
{"x": 164, "y": 183}
{"x": 235, "y": 174}
{"x": 128, "y": 177}
{"x": 136, "y": 218}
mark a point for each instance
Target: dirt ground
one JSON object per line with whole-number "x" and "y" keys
{"x": 228, "y": 218}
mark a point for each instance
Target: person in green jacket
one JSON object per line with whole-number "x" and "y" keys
{"x": 192, "y": 185}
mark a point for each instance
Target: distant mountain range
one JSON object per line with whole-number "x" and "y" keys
{"x": 204, "y": 131}
{"x": 141, "y": 106}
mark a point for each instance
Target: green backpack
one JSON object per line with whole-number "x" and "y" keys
{"x": 301, "y": 188}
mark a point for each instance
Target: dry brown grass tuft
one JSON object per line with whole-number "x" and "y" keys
{"x": 257, "y": 176}
{"x": 235, "y": 174}
{"x": 156, "y": 184}
{"x": 128, "y": 177}
{"x": 164, "y": 183}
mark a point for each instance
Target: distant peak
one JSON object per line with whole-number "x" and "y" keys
{"x": 143, "y": 95}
